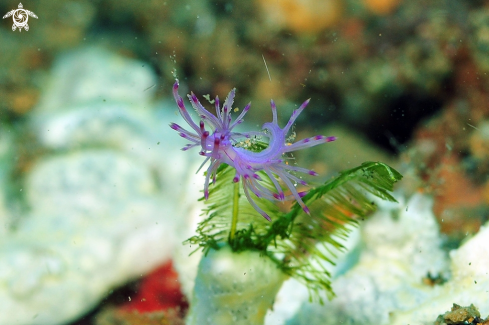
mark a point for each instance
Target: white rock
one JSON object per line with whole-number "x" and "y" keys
{"x": 469, "y": 283}
{"x": 96, "y": 74}
{"x": 400, "y": 246}
{"x": 106, "y": 207}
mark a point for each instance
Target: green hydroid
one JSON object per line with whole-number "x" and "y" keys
{"x": 295, "y": 241}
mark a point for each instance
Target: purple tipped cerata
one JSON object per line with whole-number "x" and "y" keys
{"x": 218, "y": 144}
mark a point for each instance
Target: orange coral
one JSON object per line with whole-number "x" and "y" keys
{"x": 302, "y": 16}
{"x": 381, "y": 7}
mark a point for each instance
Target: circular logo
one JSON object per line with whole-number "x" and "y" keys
{"x": 20, "y": 18}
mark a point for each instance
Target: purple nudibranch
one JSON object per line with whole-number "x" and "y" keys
{"x": 218, "y": 145}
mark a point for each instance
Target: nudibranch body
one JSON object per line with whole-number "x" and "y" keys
{"x": 218, "y": 144}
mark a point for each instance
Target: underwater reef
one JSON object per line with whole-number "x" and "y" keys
{"x": 96, "y": 197}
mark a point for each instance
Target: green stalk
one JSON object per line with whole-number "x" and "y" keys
{"x": 234, "y": 221}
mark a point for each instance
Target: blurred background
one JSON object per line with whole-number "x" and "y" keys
{"x": 379, "y": 66}
{"x": 404, "y": 82}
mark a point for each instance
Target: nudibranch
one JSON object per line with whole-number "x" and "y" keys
{"x": 219, "y": 145}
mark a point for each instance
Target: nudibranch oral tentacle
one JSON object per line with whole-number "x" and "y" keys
{"x": 218, "y": 145}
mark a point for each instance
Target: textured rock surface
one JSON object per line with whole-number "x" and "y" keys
{"x": 100, "y": 204}
{"x": 468, "y": 285}
{"x": 400, "y": 245}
